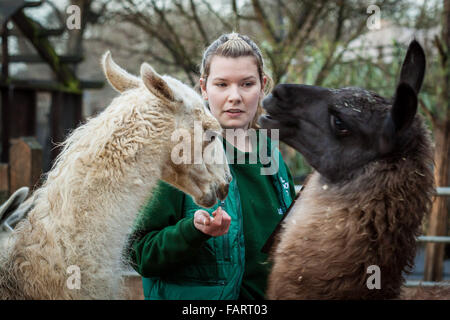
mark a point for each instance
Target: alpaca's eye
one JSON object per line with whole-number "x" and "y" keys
{"x": 338, "y": 125}
{"x": 210, "y": 136}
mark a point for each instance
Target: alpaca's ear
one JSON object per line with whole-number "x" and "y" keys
{"x": 155, "y": 83}
{"x": 10, "y": 206}
{"x": 117, "y": 77}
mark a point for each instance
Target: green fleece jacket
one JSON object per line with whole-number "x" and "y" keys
{"x": 177, "y": 261}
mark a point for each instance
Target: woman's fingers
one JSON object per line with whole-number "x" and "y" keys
{"x": 226, "y": 221}
{"x": 202, "y": 217}
{"x": 218, "y": 217}
{"x": 222, "y": 220}
{"x": 214, "y": 226}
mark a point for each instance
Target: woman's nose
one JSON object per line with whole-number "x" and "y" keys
{"x": 234, "y": 96}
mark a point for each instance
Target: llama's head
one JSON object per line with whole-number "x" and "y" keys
{"x": 195, "y": 161}
{"x": 340, "y": 131}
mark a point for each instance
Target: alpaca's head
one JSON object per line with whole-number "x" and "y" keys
{"x": 340, "y": 131}
{"x": 12, "y": 212}
{"x": 196, "y": 160}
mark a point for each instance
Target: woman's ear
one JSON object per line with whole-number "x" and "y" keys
{"x": 263, "y": 84}
{"x": 203, "y": 88}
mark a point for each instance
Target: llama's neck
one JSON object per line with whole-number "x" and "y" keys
{"x": 400, "y": 188}
{"x": 384, "y": 205}
{"x": 87, "y": 207}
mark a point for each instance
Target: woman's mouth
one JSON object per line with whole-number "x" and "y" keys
{"x": 234, "y": 112}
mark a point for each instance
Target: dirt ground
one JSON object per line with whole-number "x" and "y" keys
{"x": 133, "y": 286}
{"x": 134, "y": 291}
{"x": 426, "y": 293}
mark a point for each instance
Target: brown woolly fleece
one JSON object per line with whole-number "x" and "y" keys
{"x": 336, "y": 231}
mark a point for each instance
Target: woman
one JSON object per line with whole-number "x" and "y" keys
{"x": 179, "y": 249}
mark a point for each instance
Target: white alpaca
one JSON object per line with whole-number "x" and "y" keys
{"x": 84, "y": 211}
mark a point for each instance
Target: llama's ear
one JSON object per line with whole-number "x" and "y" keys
{"x": 400, "y": 117}
{"x": 117, "y": 77}
{"x": 155, "y": 83}
{"x": 413, "y": 68}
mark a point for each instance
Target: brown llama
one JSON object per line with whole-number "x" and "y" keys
{"x": 362, "y": 208}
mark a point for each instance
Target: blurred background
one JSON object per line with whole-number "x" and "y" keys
{"x": 51, "y": 78}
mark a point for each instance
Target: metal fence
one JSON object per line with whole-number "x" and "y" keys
{"x": 440, "y": 192}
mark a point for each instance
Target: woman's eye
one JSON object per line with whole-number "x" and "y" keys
{"x": 339, "y": 126}
{"x": 248, "y": 84}
{"x": 221, "y": 84}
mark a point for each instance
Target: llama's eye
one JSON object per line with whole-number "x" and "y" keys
{"x": 338, "y": 125}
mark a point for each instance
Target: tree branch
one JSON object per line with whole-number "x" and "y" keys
{"x": 264, "y": 22}
{"x": 330, "y": 62}
{"x": 301, "y": 39}
{"x": 224, "y": 22}
{"x": 442, "y": 52}
{"x": 199, "y": 24}
{"x": 430, "y": 115}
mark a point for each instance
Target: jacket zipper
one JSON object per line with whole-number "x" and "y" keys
{"x": 226, "y": 247}
{"x": 241, "y": 267}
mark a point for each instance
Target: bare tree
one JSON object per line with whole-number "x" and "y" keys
{"x": 177, "y": 31}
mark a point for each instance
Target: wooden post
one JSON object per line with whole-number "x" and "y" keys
{"x": 18, "y": 116}
{"x": 22, "y": 113}
{"x": 65, "y": 115}
{"x": 25, "y": 163}
{"x": 4, "y": 182}
{"x": 434, "y": 258}
{"x": 5, "y": 93}
{"x": 5, "y": 52}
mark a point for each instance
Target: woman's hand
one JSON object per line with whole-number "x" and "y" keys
{"x": 214, "y": 226}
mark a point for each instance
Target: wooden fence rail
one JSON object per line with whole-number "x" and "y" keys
{"x": 24, "y": 167}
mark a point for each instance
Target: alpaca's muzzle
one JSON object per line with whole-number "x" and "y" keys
{"x": 222, "y": 191}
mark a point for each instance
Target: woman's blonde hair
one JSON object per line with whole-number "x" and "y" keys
{"x": 234, "y": 45}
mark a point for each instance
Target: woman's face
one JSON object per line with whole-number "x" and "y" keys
{"x": 233, "y": 90}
